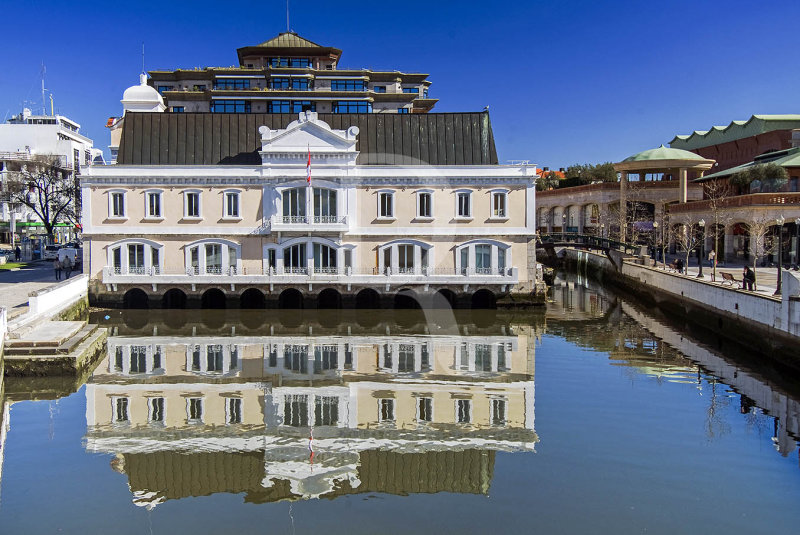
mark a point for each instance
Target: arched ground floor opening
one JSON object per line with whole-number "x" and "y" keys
{"x": 368, "y": 299}
{"x": 290, "y": 299}
{"x": 174, "y": 298}
{"x": 252, "y": 298}
{"x": 213, "y": 298}
{"x": 329, "y": 299}
{"x": 444, "y": 298}
{"x": 484, "y": 299}
{"x": 406, "y": 299}
{"x": 135, "y": 298}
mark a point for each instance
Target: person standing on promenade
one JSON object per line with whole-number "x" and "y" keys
{"x": 68, "y": 266}
{"x": 712, "y": 262}
{"x": 17, "y": 253}
{"x": 57, "y": 268}
{"x": 748, "y": 278}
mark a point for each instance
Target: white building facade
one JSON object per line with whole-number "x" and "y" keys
{"x": 309, "y": 218}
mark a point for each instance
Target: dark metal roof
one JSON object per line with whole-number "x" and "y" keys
{"x": 233, "y": 138}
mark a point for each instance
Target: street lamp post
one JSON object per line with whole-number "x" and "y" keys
{"x": 780, "y": 221}
{"x": 563, "y": 227}
{"x": 700, "y": 247}
{"x": 796, "y": 242}
{"x": 658, "y": 242}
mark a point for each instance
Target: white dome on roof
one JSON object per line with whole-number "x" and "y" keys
{"x": 142, "y": 97}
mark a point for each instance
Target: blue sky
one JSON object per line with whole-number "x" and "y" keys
{"x": 566, "y": 81}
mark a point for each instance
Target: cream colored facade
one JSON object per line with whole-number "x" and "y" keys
{"x": 351, "y": 227}
{"x": 353, "y": 394}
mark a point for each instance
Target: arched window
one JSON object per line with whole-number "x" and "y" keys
{"x": 307, "y": 255}
{"x": 294, "y": 205}
{"x": 325, "y": 209}
{"x": 213, "y": 257}
{"x": 404, "y": 256}
{"x": 483, "y": 257}
{"x": 136, "y": 257}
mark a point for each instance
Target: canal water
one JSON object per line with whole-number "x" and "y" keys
{"x": 596, "y": 416}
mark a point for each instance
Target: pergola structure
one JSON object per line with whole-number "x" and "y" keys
{"x": 674, "y": 162}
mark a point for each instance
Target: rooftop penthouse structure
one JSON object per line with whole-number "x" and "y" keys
{"x": 290, "y": 74}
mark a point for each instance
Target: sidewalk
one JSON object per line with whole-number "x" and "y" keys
{"x": 766, "y": 277}
{"x": 16, "y": 285}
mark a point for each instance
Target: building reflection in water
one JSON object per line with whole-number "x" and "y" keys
{"x": 293, "y": 417}
{"x": 633, "y": 338}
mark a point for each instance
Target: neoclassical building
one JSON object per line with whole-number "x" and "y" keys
{"x": 307, "y": 210}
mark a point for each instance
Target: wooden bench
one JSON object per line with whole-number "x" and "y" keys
{"x": 730, "y": 279}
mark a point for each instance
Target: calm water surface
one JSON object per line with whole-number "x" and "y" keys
{"x": 596, "y": 417}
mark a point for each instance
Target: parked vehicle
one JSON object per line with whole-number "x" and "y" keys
{"x": 51, "y": 252}
{"x": 71, "y": 253}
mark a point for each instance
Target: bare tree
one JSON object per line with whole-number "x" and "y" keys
{"x": 44, "y": 185}
{"x": 716, "y": 193}
{"x": 761, "y": 239}
{"x": 685, "y": 235}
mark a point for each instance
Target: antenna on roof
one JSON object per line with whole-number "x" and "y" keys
{"x": 143, "y": 58}
{"x": 287, "y": 17}
{"x": 44, "y": 109}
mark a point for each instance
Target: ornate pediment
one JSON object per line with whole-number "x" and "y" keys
{"x": 308, "y": 134}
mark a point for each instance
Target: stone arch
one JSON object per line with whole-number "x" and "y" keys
{"x": 173, "y": 298}
{"x": 329, "y": 298}
{"x": 252, "y": 298}
{"x": 135, "y": 298}
{"x": 406, "y": 299}
{"x": 213, "y": 298}
{"x": 484, "y": 299}
{"x": 368, "y": 299}
{"x": 291, "y": 298}
{"x": 444, "y": 298}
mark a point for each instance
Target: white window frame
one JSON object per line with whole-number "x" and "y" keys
{"x": 391, "y": 420}
{"x": 459, "y": 193}
{"x": 501, "y": 193}
{"x": 150, "y": 420}
{"x": 419, "y": 216}
{"x": 225, "y": 214}
{"x": 186, "y": 194}
{"x": 228, "y": 367}
{"x": 228, "y": 402}
{"x": 469, "y": 411}
{"x": 392, "y": 247}
{"x": 189, "y": 418}
{"x": 496, "y": 247}
{"x": 201, "y": 255}
{"x": 504, "y": 421}
{"x": 417, "y": 403}
{"x": 391, "y": 194}
{"x": 147, "y": 214}
{"x": 115, "y": 420}
{"x": 111, "y": 214}
{"x": 148, "y": 255}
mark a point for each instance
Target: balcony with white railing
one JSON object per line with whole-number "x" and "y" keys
{"x": 368, "y": 276}
{"x": 305, "y": 223}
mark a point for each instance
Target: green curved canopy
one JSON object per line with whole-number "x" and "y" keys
{"x": 663, "y": 153}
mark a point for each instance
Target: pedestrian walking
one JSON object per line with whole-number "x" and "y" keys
{"x": 68, "y": 266}
{"x": 57, "y": 267}
{"x": 17, "y": 253}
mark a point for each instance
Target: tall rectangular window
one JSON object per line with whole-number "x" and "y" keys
{"x": 499, "y": 204}
{"x": 121, "y": 410}
{"x": 192, "y": 204}
{"x": 214, "y": 358}
{"x": 498, "y": 412}
{"x": 386, "y": 409}
{"x": 326, "y": 410}
{"x": 154, "y": 204}
{"x": 483, "y": 258}
{"x": 386, "y": 204}
{"x": 234, "y": 406}
{"x": 425, "y": 409}
{"x": 463, "y": 208}
{"x": 195, "y": 409}
{"x": 424, "y": 205}
{"x": 463, "y": 411}
{"x": 117, "y": 204}
{"x": 232, "y": 204}
{"x": 295, "y": 410}
{"x": 156, "y": 407}
{"x": 135, "y": 258}
{"x": 138, "y": 359}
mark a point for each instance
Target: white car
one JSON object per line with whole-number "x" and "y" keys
{"x": 50, "y": 252}
{"x": 71, "y": 253}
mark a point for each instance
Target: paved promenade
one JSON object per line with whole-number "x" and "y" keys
{"x": 16, "y": 285}
{"x": 766, "y": 277}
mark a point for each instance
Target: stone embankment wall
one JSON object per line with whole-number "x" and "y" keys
{"x": 732, "y": 312}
